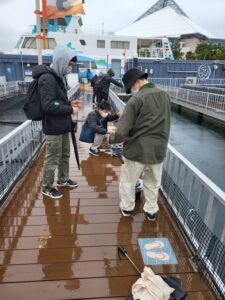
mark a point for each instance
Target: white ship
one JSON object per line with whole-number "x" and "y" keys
{"x": 95, "y": 49}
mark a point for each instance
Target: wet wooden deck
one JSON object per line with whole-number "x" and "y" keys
{"x": 67, "y": 249}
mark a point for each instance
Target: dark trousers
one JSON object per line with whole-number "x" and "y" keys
{"x": 102, "y": 97}
{"x": 94, "y": 95}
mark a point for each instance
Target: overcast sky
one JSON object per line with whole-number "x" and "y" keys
{"x": 16, "y": 15}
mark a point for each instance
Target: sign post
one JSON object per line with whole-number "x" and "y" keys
{"x": 39, "y": 36}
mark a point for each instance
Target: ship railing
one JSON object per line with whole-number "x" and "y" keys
{"x": 12, "y": 88}
{"x": 177, "y": 82}
{"x": 97, "y": 31}
{"x": 199, "y": 208}
{"x": 208, "y": 101}
{"x": 19, "y": 148}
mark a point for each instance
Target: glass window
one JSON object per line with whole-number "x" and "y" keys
{"x": 80, "y": 22}
{"x": 120, "y": 45}
{"x": 100, "y": 44}
{"x": 61, "y": 22}
{"x": 83, "y": 43}
{"x": 29, "y": 43}
{"x": 19, "y": 43}
{"x": 51, "y": 43}
{"x": 51, "y": 22}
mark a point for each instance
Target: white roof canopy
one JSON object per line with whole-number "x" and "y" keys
{"x": 163, "y": 23}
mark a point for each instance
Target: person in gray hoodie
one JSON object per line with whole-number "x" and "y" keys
{"x": 57, "y": 119}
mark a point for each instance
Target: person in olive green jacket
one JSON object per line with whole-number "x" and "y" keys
{"x": 144, "y": 128}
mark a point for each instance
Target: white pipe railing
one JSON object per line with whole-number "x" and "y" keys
{"x": 18, "y": 148}
{"x": 11, "y": 88}
{"x": 208, "y": 101}
{"x": 180, "y": 81}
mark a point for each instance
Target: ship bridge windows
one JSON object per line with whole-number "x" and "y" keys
{"x": 30, "y": 43}
{"x": 120, "y": 45}
{"x": 100, "y": 44}
{"x": 51, "y": 22}
{"x": 51, "y": 43}
{"x": 18, "y": 44}
{"x": 62, "y": 22}
{"x": 83, "y": 43}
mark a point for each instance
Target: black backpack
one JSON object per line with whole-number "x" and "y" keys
{"x": 32, "y": 107}
{"x": 98, "y": 82}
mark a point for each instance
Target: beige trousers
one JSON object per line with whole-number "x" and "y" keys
{"x": 131, "y": 171}
{"x": 98, "y": 141}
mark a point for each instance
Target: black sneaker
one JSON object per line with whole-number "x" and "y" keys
{"x": 69, "y": 183}
{"x": 126, "y": 213}
{"x": 52, "y": 193}
{"x": 95, "y": 152}
{"x": 151, "y": 217}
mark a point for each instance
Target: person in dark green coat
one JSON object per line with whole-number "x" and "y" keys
{"x": 144, "y": 128}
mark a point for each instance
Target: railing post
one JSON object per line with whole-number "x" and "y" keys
{"x": 188, "y": 93}
{"x": 207, "y": 101}
{"x": 5, "y": 89}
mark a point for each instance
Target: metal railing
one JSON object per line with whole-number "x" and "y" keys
{"x": 199, "y": 206}
{"x": 208, "y": 101}
{"x": 177, "y": 82}
{"x": 17, "y": 150}
{"x": 8, "y": 89}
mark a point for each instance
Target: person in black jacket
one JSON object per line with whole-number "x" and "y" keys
{"x": 98, "y": 120}
{"x": 94, "y": 84}
{"x": 57, "y": 119}
{"x": 104, "y": 85}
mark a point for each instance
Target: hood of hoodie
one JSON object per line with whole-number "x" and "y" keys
{"x": 42, "y": 69}
{"x": 111, "y": 73}
{"x": 61, "y": 58}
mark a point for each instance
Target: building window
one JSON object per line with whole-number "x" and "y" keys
{"x": 120, "y": 45}
{"x": 83, "y": 43}
{"x": 100, "y": 44}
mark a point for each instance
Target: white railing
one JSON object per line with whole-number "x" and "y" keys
{"x": 208, "y": 101}
{"x": 97, "y": 31}
{"x": 168, "y": 81}
{"x": 17, "y": 149}
{"x": 199, "y": 206}
{"x": 12, "y": 88}
{"x": 213, "y": 82}
{"x": 177, "y": 82}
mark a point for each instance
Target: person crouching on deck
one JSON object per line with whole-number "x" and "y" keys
{"x": 98, "y": 120}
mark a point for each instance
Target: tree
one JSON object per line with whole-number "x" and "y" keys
{"x": 190, "y": 55}
{"x": 176, "y": 50}
{"x": 210, "y": 52}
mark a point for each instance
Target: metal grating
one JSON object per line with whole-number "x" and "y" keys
{"x": 209, "y": 252}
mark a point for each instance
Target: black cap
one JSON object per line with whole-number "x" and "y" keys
{"x": 131, "y": 76}
{"x": 74, "y": 59}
